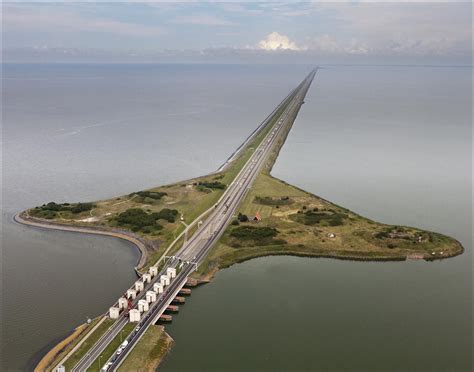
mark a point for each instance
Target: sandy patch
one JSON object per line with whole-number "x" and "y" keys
{"x": 285, "y": 213}
{"x": 89, "y": 219}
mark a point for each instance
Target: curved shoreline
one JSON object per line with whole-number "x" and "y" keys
{"x": 139, "y": 244}
{"x": 210, "y": 274}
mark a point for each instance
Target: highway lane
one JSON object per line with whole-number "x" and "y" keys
{"x": 196, "y": 248}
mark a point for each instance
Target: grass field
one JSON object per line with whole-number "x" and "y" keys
{"x": 111, "y": 348}
{"x": 149, "y": 352}
{"x": 307, "y": 226}
{"x": 88, "y": 343}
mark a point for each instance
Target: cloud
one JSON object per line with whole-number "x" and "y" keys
{"x": 45, "y": 18}
{"x": 201, "y": 19}
{"x": 276, "y": 41}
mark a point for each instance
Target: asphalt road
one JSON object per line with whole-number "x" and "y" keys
{"x": 195, "y": 249}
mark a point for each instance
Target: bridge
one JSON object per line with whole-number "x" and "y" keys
{"x": 193, "y": 252}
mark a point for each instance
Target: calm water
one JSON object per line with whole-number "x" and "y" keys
{"x": 390, "y": 143}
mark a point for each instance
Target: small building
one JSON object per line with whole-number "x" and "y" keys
{"x": 164, "y": 280}
{"x": 122, "y": 303}
{"x": 171, "y": 272}
{"x": 150, "y": 296}
{"x": 331, "y": 235}
{"x": 134, "y": 316}
{"x": 131, "y": 293}
{"x": 153, "y": 270}
{"x": 139, "y": 285}
{"x": 146, "y": 278}
{"x": 143, "y": 306}
{"x": 257, "y": 217}
{"x": 158, "y": 288}
{"x": 60, "y": 368}
{"x": 114, "y": 312}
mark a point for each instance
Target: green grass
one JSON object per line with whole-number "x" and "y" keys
{"x": 111, "y": 348}
{"x": 149, "y": 351}
{"x": 87, "y": 344}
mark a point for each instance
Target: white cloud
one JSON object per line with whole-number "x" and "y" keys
{"x": 276, "y": 41}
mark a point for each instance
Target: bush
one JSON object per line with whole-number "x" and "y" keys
{"x": 235, "y": 223}
{"x": 255, "y": 235}
{"x": 82, "y": 207}
{"x": 242, "y": 217}
{"x": 150, "y": 194}
{"x": 381, "y": 235}
{"x": 166, "y": 214}
{"x": 267, "y": 200}
{"x": 50, "y": 210}
{"x": 52, "y": 206}
{"x": 137, "y": 219}
{"x": 323, "y": 218}
{"x": 212, "y": 185}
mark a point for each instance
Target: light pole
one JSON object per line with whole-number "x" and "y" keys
{"x": 100, "y": 356}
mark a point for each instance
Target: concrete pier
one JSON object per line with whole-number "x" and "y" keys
{"x": 185, "y": 291}
{"x": 172, "y": 308}
{"x": 179, "y": 300}
{"x": 166, "y": 318}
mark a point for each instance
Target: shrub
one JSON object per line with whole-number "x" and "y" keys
{"x": 166, "y": 214}
{"x": 322, "y": 218}
{"x": 381, "y": 235}
{"x": 267, "y": 200}
{"x": 50, "y": 210}
{"x": 242, "y": 217}
{"x": 137, "y": 219}
{"x": 154, "y": 195}
{"x": 82, "y": 207}
{"x": 212, "y": 185}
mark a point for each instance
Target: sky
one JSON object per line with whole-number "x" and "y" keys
{"x": 238, "y": 31}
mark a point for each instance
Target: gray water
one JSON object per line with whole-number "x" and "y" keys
{"x": 391, "y": 143}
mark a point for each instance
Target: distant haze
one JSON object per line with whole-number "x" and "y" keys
{"x": 422, "y": 33}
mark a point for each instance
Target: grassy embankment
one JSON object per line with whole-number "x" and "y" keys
{"x": 60, "y": 350}
{"x": 87, "y": 344}
{"x": 149, "y": 352}
{"x": 111, "y": 347}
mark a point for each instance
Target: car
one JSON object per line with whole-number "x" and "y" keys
{"x": 137, "y": 329}
{"x": 119, "y": 351}
{"x": 124, "y": 344}
{"x": 106, "y": 367}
